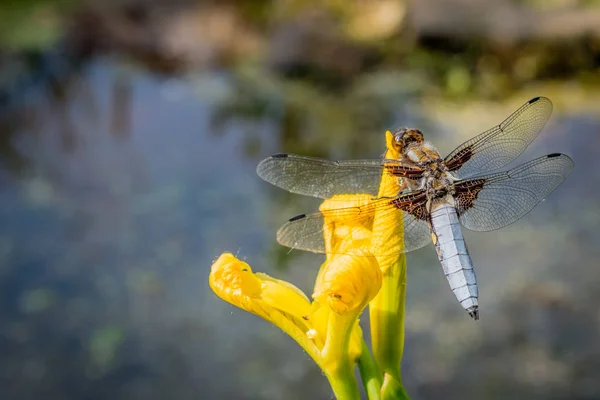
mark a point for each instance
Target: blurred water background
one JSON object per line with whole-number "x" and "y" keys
{"x": 129, "y": 135}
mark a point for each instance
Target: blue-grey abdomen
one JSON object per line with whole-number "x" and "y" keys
{"x": 452, "y": 252}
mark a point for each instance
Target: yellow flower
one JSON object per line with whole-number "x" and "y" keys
{"x": 380, "y": 234}
{"x": 345, "y": 285}
{"x": 363, "y": 255}
{"x": 350, "y": 277}
{"x": 327, "y": 329}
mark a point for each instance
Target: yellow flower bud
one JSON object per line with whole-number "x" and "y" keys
{"x": 349, "y": 281}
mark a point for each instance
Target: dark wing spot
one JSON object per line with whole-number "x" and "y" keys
{"x": 279, "y": 155}
{"x": 413, "y": 204}
{"x": 297, "y": 217}
{"x": 466, "y": 193}
{"x": 553, "y": 155}
{"x": 460, "y": 158}
{"x": 404, "y": 171}
{"x": 534, "y": 99}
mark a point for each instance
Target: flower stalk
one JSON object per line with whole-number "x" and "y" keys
{"x": 387, "y": 308}
{"x": 370, "y": 374}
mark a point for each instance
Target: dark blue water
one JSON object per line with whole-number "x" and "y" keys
{"x": 121, "y": 198}
{"x": 118, "y": 188}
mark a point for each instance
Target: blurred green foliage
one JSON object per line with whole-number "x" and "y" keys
{"x": 104, "y": 343}
{"x": 37, "y": 300}
{"x": 32, "y": 24}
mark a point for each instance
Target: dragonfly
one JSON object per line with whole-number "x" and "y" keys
{"x": 435, "y": 195}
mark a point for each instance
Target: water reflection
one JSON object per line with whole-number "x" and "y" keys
{"x": 120, "y": 201}
{"x": 120, "y": 186}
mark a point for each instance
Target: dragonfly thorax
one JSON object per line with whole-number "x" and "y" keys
{"x": 438, "y": 184}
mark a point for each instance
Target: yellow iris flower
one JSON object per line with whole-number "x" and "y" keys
{"x": 350, "y": 278}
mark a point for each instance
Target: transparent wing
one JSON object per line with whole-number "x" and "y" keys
{"x": 323, "y": 178}
{"x": 502, "y": 144}
{"x": 307, "y": 232}
{"x": 494, "y": 201}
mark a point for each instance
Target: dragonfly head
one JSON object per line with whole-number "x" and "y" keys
{"x": 404, "y": 137}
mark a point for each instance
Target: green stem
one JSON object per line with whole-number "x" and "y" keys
{"x": 370, "y": 373}
{"x": 335, "y": 357}
{"x": 387, "y": 320}
{"x": 343, "y": 383}
{"x": 392, "y": 389}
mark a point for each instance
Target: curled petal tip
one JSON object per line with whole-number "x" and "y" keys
{"x": 233, "y": 281}
{"x": 349, "y": 281}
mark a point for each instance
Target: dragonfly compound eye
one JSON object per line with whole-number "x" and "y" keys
{"x": 412, "y": 136}
{"x": 399, "y": 135}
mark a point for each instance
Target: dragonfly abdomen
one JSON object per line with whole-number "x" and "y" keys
{"x": 452, "y": 252}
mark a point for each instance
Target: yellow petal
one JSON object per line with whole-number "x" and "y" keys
{"x": 319, "y": 318}
{"x": 284, "y": 296}
{"x": 344, "y": 201}
{"x": 393, "y": 148}
{"x": 277, "y": 301}
{"x": 356, "y": 340}
{"x": 387, "y": 239}
{"x": 387, "y": 308}
{"x": 233, "y": 281}
{"x": 349, "y": 281}
{"x": 344, "y": 227}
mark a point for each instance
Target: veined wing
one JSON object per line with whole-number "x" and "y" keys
{"x": 323, "y": 178}
{"x": 491, "y": 202}
{"x": 307, "y": 232}
{"x": 502, "y": 144}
